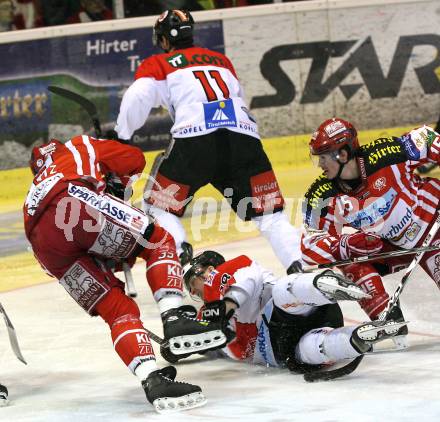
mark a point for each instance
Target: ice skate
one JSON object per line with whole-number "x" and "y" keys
{"x": 168, "y": 395}
{"x": 367, "y": 334}
{"x": 3, "y": 396}
{"x": 336, "y": 287}
{"x": 400, "y": 340}
{"x": 187, "y": 334}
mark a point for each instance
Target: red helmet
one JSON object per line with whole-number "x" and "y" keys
{"x": 39, "y": 153}
{"x": 332, "y": 135}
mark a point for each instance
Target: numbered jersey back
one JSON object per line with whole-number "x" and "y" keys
{"x": 201, "y": 90}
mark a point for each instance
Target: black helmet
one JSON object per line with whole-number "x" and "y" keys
{"x": 176, "y": 26}
{"x": 198, "y": 265}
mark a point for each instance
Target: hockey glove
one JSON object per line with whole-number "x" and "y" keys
{"x": 357, "y": 245}
{"x": 115, "y": 187}
{"x": 216, "y": 312}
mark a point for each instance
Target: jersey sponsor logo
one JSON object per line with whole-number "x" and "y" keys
{"x": 99, "y": 202}
{"x": 113, "y": 241}
{"x": 210, "y": 278}
{"x": 38, "y": 192}
{"x": 210, "y": 313}
{"x": 220, "y": 114}
{"x": 379, "y": 154}
{"x": 318, "y": 193}
{"x": 412, "y": 231}
{"x": 373, "y": 212}
{"x": 334, "y": 128}
{"x": 178, "y": 60}
{"x": 395, "y": 232}
{"x": 188, "y": 130}
{"x": 380, "y": 183}
{"x": 224, "y": 282}
{"x": 83, "y": 287}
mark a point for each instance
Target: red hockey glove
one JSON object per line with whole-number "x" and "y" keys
{"x": 358, "y": 244}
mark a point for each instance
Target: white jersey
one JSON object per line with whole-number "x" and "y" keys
{"x": 200, "y": 89}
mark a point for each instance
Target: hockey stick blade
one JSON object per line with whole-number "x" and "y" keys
{"x": 335, "y": 373}
{"x": 86, "y": 104}
{"x": 12, "y": 336}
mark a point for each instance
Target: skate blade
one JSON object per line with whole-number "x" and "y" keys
{"x": 372, "y": 333}
{"x": 398, "y": 344}
{"x": 4, "y": 402}
{"x": 177, "y": 404}
{"x": 197, "y": 342}
{"x": 342, "y": 292}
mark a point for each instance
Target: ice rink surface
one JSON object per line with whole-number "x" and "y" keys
{"x": 73, "y": 374}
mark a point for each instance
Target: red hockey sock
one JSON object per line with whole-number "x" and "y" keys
{"x": 130, "y": 339}
{"x": 366, "y": 277}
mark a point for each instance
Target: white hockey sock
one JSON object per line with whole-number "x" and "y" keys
{"x": 326, "y": 345}
{"x": 283, "y": 237}
{"x": 169, "y": 302}
{"x": 145, "y": 368}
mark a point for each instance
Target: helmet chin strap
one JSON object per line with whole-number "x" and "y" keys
{"x": 341, "y": 167}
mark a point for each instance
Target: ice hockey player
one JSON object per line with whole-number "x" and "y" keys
{"x": 373, "y": 189}
{"x": 215, "y": 138}
{"x": 3, "y": 395}
{"x": 75, "y": 228}
{"x": 293, "y": 320}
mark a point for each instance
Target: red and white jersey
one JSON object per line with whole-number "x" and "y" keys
{"x": 391, "y": 201}
{"x": 200, "y": 89}
{"x": 82, "y": 159}
{"x": 250, "y": 286}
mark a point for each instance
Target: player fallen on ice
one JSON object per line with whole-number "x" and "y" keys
{"x": 375, "y": 190}
{"x": 293, "y": 320}
{"x": 75, "y": 228}
{"x": 215, "y": 138}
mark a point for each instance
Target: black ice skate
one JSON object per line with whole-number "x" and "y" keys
{"x": 336, "y": 287}
{"x": 167, "y": 395}
{"x": 364, "y": 336}
{"x": 400, "y": 340}
{"x": 3, "y": 396}
{"x": 186, "y": 334}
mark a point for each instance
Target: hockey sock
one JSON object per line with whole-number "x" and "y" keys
{"x": 366, "y": 277}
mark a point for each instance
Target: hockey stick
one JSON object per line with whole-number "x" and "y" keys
{"x": 129, "y": 283}
{"x": 12, "y": 336}
{"x": 383, "y": 255}
{"x": 86, "y": 104}
{"x": 426, "y": 243}
{"x": 334, "y": 373}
